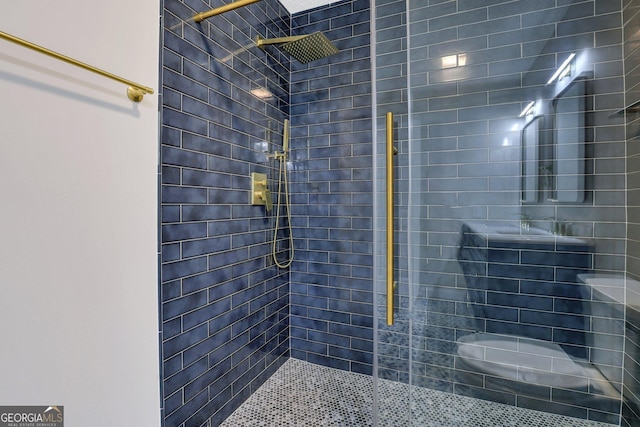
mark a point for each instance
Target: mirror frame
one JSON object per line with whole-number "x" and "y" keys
{"x": 530, "y": 177}
{"x": 569, "y": 170}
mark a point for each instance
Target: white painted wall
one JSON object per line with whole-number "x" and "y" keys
{"x": 78, "y": 195}
{"x": 295, "y": 6}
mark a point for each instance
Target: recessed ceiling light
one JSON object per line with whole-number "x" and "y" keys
{"x": 262, "y": 93}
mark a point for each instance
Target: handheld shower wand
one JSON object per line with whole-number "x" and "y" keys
{"x": 285, "y": 137}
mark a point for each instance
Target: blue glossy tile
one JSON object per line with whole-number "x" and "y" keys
{"x": 600, "y": 22}
{"x": 184, "y": 49}
{"x": 360, "y": 320}
{"x": 207, "y": 346}
{"x": 180, "y": 305}
{"x": 183, "y": 341}
{"x": 500, "y": 313}
{"x": 180, "y": 157}
{"x": 302, "y": 322}
{"x": 353, "y": 259}
{"x": 349, "y": 330}
{"x": 205, "y": 212}
{"x": 518, "y": 7}
{"x": 203, "y": 144}
{"x": 177, "y": 232}
{"x": 556, "y": 258}
{"x": 522, "y": 301}
{"x": 179, "y": 380}
{"x": 184, "y": 121}
{"x": 171, "y": 98}
{"x": 490, "y": 26}
{"x": 170, "y": 136}
{"x": 557, "y": 408}
{"x": 531, "y": 331}
{"x": 351, "y": 354}
{"x": 170, "y": 175}
{"x": 331, "y": 362}
{"x": 563, "y": 320}
{"x": 457, "y": 19}
{"x": 309, "y": 346}
{"x": 171, "y": 252}
{"x": 170, "y": 213}
{"x": 541, "y": 273}
{"x": 171, "y": 328}
{"x": 170, "y": 290}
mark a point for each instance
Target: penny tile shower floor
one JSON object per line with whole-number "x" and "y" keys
{"x": 302, "y": 394}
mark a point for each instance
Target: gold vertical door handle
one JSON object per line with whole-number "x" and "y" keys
{"x": 390, "y": 283}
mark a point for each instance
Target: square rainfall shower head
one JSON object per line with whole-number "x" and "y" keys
{"x": 309, "y": 48}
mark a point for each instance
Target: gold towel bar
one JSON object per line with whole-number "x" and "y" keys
{"x": 135, "y": 92}
{"x": 390, "y": 282}
{"x": 222, "y": 9}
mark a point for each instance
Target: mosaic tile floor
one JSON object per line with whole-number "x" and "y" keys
{"x": 302, "y": 394}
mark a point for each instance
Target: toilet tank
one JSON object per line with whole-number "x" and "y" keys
{"x": 605, "y": 338}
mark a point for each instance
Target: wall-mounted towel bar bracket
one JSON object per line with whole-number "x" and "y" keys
{"x": 135, "y": 91}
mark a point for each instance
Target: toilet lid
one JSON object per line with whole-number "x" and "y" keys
{"x": 523, "y": 359}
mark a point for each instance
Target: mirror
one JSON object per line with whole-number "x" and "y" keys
{"x": 553, "y": 150}
{"x": 568, "y": 173}
{"x": 530, "y": 142}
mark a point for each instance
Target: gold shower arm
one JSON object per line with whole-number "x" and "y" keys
{"x": 222, "y": 9}
{"x": 277, "y": 40}
{"x": 135, "y": 91}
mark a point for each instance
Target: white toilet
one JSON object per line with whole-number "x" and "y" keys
{"x": 527, "y": 362}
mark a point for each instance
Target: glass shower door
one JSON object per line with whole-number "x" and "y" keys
{"x": 508, "y": 196}
{"x": 392, "y": 299}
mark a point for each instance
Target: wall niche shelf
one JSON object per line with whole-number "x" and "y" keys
{"x": 630, "y": 109}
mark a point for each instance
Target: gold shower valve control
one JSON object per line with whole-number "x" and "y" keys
{"x": 260, "y": 193}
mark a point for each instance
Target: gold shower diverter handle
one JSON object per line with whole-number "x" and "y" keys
{"x": 260, "y": 193}
{"x": 391, "y": 284}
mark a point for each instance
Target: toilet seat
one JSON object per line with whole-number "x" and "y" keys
{"x": 530, "y": 361}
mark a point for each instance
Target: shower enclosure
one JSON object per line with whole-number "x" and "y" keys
{"x": 508, "y": 203}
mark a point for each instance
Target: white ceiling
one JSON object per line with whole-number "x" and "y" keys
{"x": 295, "y": 6}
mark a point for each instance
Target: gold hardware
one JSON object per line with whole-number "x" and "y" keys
{"x": 260, "y": 194}
{"x": 135, "y": 92}
{"x": 282, "y": 156}
{"x": 262, "y": 42}
{"x": 304, "y": 48}
{"x": 222, "y": 9}
{"x": 390, "y": 283}
{"x": 285, "y": 137}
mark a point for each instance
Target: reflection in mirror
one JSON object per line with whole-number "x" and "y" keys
{"x": 530, "y": 140}
{"x": 569, "y": 143}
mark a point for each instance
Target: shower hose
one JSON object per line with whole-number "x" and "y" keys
{"x": 282, "y": 177}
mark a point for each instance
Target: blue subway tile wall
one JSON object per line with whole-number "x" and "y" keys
{"x": 332, "y": 277}
{"x": 224, "y": 305}
{"x": 631, "y": 391}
